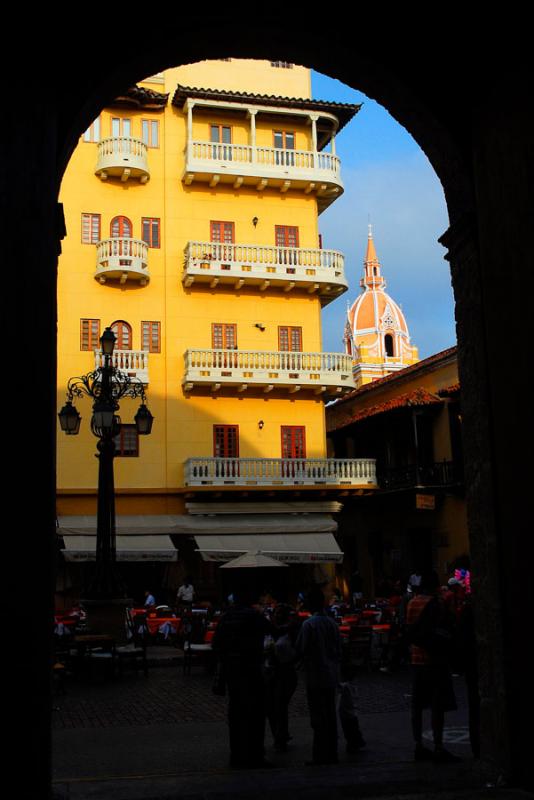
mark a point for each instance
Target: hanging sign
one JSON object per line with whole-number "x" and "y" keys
{"x": 425, "y": 502}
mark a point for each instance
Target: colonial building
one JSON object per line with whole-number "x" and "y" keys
{"x": 192, "y": 209}
{"x": 376, "y": 333}
{"x": 410, "y": 422}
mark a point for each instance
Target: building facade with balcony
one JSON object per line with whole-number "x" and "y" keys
{"x": 193, "y": 230}
{"x": 410, "y": 423}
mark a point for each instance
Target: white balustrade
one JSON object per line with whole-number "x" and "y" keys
{"x": 122, "y": 156}
{"x": 270, "y": 159}
{"x": 132, "y": 362}
{"x": 269, "y": 367}
{"x": 122, "y": 258}
{"x": 280, "y": 471}
{"x": 294, "y": 262}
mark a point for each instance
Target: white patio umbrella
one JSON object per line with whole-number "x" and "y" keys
{"x": 252, "y": 560}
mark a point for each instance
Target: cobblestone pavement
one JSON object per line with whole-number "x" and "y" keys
{"x": 166, "y": 695}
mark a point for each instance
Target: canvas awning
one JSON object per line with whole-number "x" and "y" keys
{"x": 138, "y": 538}
{"x": 129, "y": 548}
{"x": 291, "y": 522}
{"x": 290, "y": 548}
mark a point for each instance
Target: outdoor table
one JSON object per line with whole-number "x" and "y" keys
{"x": 84, "y": 640}
{"x": 155, "y": 623}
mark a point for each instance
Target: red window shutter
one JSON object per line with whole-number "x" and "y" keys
{"x": 290, "y": 338}
{"x": 287, "y": 235}
{"x": 224, "y": 336}
{"x": 121, "y": 227}
{"x": 123, "y": 333}
{"x": 293, "y": 441}
{"x": 226, "y": 441}
{"x": 222, "y": 232}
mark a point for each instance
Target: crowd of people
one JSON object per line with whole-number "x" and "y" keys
{"x": 261, "y": 649}
{"x": 261, "y": 645}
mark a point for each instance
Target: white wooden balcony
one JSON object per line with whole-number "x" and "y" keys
{"x": 329, "y": 373}
{"x": 133, "y": 362}
{"x": 122, "y": 157}
{"x": 122, "y": 259}
{"x": 316, "y": 173}
{"x": 280, "y": 472}
{"x": 314, "y": 270}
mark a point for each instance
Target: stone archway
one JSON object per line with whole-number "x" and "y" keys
{"x": 483, "y": 157}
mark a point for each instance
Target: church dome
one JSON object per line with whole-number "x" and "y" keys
{"x": 376, "y": 332}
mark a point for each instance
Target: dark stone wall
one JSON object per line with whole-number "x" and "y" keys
{"x": 481, "y": 149}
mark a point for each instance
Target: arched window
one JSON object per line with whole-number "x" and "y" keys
{"x": 388, "y": 345}
{"x": 121, "y": 227}
{"x": 123, "y": 333}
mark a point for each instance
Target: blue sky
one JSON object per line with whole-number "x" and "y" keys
{"x": 388, "y": 178}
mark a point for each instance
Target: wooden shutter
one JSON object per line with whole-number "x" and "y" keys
{"x": 89, "y": 334}
{"x": 226, "y": 441}
{"x": 123, "y": 332}
{"x": 290, "y": 338}
{"x": 293, "y": 441}
{"x": 151, "y": 336}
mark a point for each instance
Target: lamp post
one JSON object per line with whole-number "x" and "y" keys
{"x": 106, "y": 385}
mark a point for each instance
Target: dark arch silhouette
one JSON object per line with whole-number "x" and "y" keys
{"x": 481, "y": 150}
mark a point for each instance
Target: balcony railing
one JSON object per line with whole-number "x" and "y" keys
{"x": 280, "y": 472}
{"x": 410, "y": 476}
{"x": 265, "y": 166}
{"x": 122, "y": 157}
{"x": 122, "y": 259}
{"x": 321, "y": 372}
{"x": 133, "y": 362}
{"x": 267, "y": 267}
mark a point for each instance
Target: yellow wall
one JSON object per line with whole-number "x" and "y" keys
{"x": 244, "y": 75}
{"x": 183, "y": 424}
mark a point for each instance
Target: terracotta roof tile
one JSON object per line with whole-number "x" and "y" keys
{"x": 343, "y": 111}
{"x": 407, "y": 372}
{"x": 418, "y": 397}
{"x": 140, "y": 97}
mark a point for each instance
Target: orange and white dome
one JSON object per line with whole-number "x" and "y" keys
{"x": 376, "y": 332}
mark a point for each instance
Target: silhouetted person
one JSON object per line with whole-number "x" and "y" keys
{"x": 356, "y": 589}
{"x": 467, "y": 664}
{"x": 239, "y": 644}
{"x": 281, "y": 674}
{"x": 430, "y": 631}
{"x": 319, "y": 646}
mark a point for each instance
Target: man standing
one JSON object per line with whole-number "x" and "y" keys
{"x": 430, "y": 631}
{"x": 319, "y": 646}
{"x": 185, "y": 594}
{"x": 239, "y": 644}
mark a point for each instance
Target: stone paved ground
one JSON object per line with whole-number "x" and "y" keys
{"x": 166, "y": 695}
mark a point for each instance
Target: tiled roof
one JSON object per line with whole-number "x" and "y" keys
{"x": 139, "y": 97}
{"x": 418, "y": 397}
{"x": 449, "y": 390}
{"x": 343, "y": 111}
{"x": 407, "y": 372}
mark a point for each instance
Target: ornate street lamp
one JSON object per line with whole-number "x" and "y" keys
{"x": 106, "y": 385}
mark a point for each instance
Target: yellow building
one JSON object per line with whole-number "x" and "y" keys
{"x": 376, "y": 332}
{"x": 192, "y": 207}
